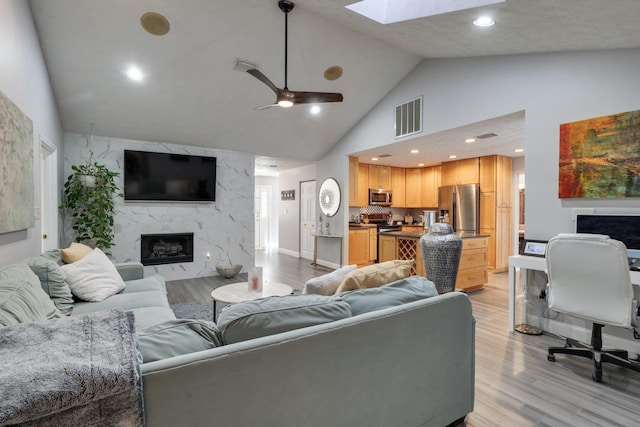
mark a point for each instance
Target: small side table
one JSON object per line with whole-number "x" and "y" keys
{"x": 239, "y": 292}
{"x": 315, "y": 246}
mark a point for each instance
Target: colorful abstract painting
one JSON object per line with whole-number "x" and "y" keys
{"x": 600, "y": 157}
{"x": 16, "y": 168}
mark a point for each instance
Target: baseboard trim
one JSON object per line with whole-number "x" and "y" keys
{"x": 288, "y": 252}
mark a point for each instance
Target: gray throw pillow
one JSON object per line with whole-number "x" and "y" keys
{"x": 175, "y": 337}
{"x": 327, "y": 283}
{"x": 53, "y": 282}
{"x": 273, "y": 315}
{"x": 402, "y": 291}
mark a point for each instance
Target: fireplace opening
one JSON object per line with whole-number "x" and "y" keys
{"x": 166, "y": 248}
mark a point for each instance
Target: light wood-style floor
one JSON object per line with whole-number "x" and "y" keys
{"x": 515, "y": 384}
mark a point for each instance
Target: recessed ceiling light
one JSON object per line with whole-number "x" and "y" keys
{"x": 518, "y": 150}
{"x": 375, "y": 159}
{"x": 420, "y": 164}
{"x": 470, "y": 140}
{"x": 484, "y": 21}
{"x": 135, "y": 74}
{"x": 315, "y": 109}
{"x": 453, "y": 156}
{"x": 415, "y": 151}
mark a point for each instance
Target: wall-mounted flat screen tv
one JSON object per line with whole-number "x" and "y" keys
{"x": 169, "y": 177}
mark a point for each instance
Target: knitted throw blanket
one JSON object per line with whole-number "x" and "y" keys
{"x": 81, "y": 370}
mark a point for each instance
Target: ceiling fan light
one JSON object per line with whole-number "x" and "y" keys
{"x": 285, "y": 103}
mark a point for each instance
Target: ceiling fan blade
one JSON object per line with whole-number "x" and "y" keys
{"x": 264, "y": 79}
{"x": 300, "y": 97}
{"x": 264, "y": 107}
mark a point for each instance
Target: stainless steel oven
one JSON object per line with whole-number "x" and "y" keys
{"x": 380, "y": 197}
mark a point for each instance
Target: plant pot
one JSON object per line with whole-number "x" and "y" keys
{"x": 228, "y": 271}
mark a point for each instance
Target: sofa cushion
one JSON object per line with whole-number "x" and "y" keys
{"x": 22, "y": 299}
{"x": 94, "y": 277}
{"x": 75, "y": 252}
{"x": 53, "y": 282}
{"x": 154, "y": 282}
{"x": 390, "y": 295}
{"x": 146, "y": 317}
{"x": 123, "y": 301}
{"x": 376, "y": 275}
{"x": 176, "y": 337}
{"x": 328, "y": 283}
{"x": 273, "y": 315}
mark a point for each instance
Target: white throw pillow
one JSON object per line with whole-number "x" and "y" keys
{"x": 327, "y": 284}
{"x": 94, "y": 277}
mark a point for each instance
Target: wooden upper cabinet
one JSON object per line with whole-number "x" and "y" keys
{"x": 379, "y": 176}
{"x": 398, "y": 187}
{"x": 465, "y": 171}
{"x": 488, "y": 173}
{"x": 363, "y": 185}
{"x": 413, "y": 187}
{"x": 495, "y": 176}
{"x": 353, "y": 181}
{"x": 430, "y": 183}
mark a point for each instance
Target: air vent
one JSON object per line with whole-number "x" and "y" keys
{"x": 409, "y": 118}
{"x": 384, "y": 155}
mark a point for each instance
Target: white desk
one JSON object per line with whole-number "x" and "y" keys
{"x": 526, "y": 262}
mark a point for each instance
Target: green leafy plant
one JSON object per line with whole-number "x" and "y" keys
{"x": 89, "y": 197}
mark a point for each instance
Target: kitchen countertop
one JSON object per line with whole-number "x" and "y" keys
{"x": 418, "y": 234}
{"x": 360, "y": 226}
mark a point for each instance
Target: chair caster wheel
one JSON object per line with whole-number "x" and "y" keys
{"x": 551, "y": 357}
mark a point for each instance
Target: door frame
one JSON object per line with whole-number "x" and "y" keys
{"x": 301, "y": 219}
{"x": 48, "y": 197}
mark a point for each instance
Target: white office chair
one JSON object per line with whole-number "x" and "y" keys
{"x": 589, "y": 278}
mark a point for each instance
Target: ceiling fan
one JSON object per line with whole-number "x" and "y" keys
{"x": 285, "y": 97}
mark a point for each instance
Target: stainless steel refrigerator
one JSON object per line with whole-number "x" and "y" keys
{"x": 460, "y": 206}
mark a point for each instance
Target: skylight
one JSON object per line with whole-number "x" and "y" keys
{"x": 390, "y": 11}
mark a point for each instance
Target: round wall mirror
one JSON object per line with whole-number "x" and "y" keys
{"x": 329, "y": 197}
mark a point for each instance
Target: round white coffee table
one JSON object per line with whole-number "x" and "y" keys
{"x": 239, "y": 292}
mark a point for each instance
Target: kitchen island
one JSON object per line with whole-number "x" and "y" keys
{"x": 472, "y": 270}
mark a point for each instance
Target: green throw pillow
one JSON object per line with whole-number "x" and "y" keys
{"x": 53, "y": 282}
{"x": 175, "y": 337}
{"x": 22, "y": 299}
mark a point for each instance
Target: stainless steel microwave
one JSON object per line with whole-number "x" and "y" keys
{"x": 380, "y": 197}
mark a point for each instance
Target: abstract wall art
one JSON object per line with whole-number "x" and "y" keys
{"x": 600, "y": 157}
{"x": 16, "y": 168}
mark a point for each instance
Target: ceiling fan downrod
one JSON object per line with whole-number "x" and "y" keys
{"x": 286, "y": 6}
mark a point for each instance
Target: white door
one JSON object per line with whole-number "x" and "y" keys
{"x": 307, "y": 218}
{"x": 48, "y": 210}
{"x": 262, "y": 208}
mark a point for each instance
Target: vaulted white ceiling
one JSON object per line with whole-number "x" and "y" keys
{"x": 192, "y": 95}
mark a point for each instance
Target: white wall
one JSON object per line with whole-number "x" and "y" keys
{"x": 289, "y": 210}
{"x": 226, "y": 224}
{"x": 24, "y": 80}
{"x": 551, "y": 88}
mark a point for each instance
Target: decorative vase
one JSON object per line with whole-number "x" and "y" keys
{"x": 441, "y": 250}
{"x": 326, "y": 227}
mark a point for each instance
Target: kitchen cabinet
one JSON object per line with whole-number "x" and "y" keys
{"x": 413, "y": 187}
{"x": 386, "y": 248}
{"x": 398, "y": 187}
{"x": 495, "y": 209}
{"x": 353, "y": 181}
{"x": 412, "y": 228}
{"x": 472, "y": 269}
{"x": 379, "y": 176}
{"x": 465, "y": 171}
{"x": 409, "y": 248}
{"x": 363, "y": 185}
{"x": 430, "y": 181}
{"x": 363, "y": 246}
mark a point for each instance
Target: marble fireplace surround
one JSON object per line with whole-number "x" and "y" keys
{"x": 224, "y": 225}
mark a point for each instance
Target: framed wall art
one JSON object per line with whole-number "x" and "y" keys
{"x": 600, "y": 157}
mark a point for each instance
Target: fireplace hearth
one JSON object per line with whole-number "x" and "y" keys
{"x": 166, "y": 248}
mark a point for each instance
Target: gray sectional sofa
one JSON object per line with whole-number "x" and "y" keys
{"x": 372, "y": 359}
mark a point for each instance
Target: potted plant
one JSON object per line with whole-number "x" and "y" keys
{"x": 89, "y": 197}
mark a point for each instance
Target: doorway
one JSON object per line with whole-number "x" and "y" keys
{"x": 262, "y": 216}
{"x": 48, "y": 195}
{"x": 307, "y": 218}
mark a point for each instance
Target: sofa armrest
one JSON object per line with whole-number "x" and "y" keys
{"x": 130, "y": 270}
